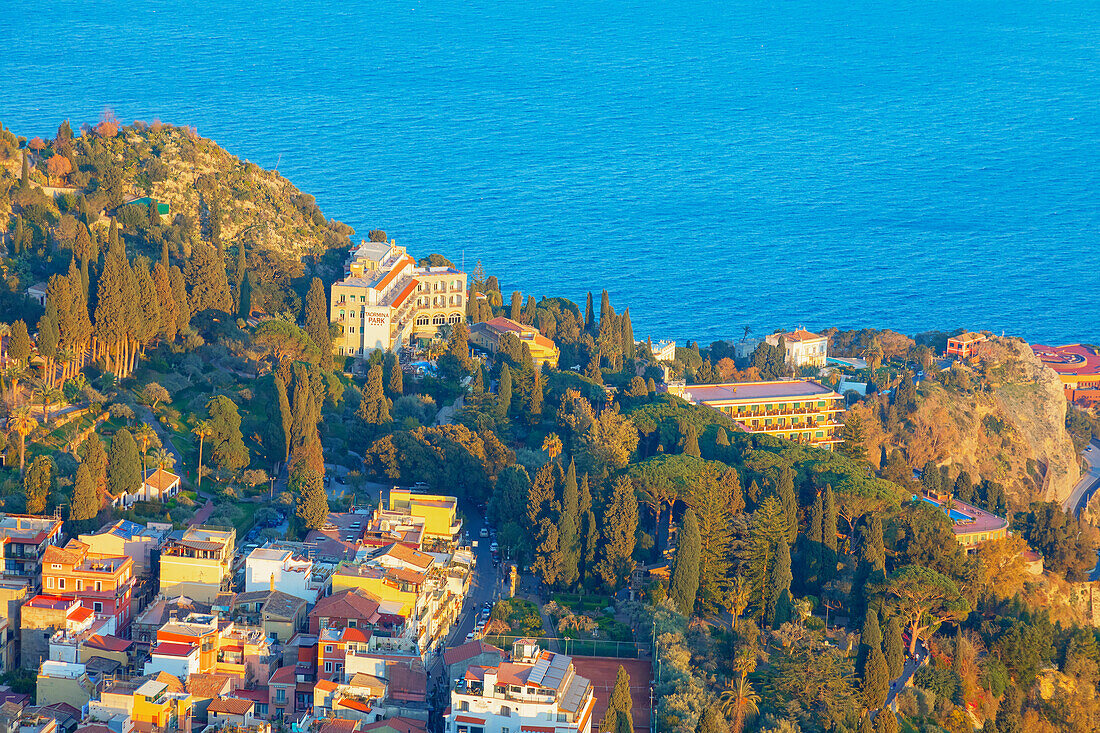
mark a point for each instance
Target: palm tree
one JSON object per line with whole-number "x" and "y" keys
{"x": 143, "y": 435}
{"x": 23, "y": 423}
{"x": 203, "y": 429}
{"x": 552, "y": 445}
{"x": 739, "y": 702}
{"x": 747, "y": 329}
{"x": 46, "y": 395}
{"x": 15, "y": 372}
{"x": 163, "y": 459}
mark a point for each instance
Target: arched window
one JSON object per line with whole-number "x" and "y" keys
{"x": 439, "y": 319}
{"x": 454, "y": 318}
{"x": 422, "y": 320}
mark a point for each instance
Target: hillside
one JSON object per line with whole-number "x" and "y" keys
{"x": 213, "y": 196}
{"x": 1001, "y": 419}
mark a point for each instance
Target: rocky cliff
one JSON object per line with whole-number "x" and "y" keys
{"x": 1000, "y": 418}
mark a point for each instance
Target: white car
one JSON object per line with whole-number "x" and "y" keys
{"x": 484, "y": 532}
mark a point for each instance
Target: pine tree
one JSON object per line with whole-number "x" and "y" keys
{"x": 504, "y": 392}
{"x": 37, "y": 484}
{"x": 123, "y": 465}
{"x": 854, "y": 437}
{"x": 689, "y": 440}
{"x": 569, "y": 529}
{"x": 713, "y": 505}
{"x": 207, "y": 280}
{"x": 620, "y": 522}
{"x": 312, "y": 503}
{"x": 316, "y": 321}
{"x": 85, "y": 503}
{"x": 876, "y": 680}
{"x": 785, "y": 490}
{"x": 684, "y": 582}
{"x": 769, "y": 531}
{"x": 374, "y": 408}
{"x": 895, "y": 648}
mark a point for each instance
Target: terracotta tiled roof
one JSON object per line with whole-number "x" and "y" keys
{"x": 161, "y": 480}
{"x": 108, "y": 643}
{"x": 62, "y": 556}
{"x": 397, "y": 725}
{"x": 283, "y": 676}
{"x": 231, "y": 706}
{"x": 400, "y": 552}
{"x": 173, "y": 682}
{"x": 339, "y": 725}
{"x": 469, "y": 650}
{"x": 407, "y": 680}
{"x": 353, "y": 603}
{"x": 352, "y": 704}
{"x": 207, "y": 685}
{"x": 170, "y": 649}
{"x": 801, "y": 334}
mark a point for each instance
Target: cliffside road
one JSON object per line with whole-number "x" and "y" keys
{"x": 1084, "y": 489}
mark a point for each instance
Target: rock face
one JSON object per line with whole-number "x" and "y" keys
{"x": 1008, "y": 427}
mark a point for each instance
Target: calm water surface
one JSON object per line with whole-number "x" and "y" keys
{"x": 914, "y": 164}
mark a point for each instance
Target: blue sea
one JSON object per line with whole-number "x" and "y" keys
{"x": 914, "y": 164}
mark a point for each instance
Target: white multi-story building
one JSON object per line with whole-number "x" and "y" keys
{"x": 277, "y": 568}
{"x": 804, "y": 349}
{"x": 538, "y": 690}
{"x": 386, "y": 301}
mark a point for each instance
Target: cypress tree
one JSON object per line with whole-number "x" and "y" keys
{"x": 534, "y": 403}
{"x": 229, "y": 450}
{"x": 374, "y": 408}
{"x": 82, "y": 245}
{"x": 866, "y": 725}
{"x": 25, "y": 173}
{"x": 517, "y": 305}
{"x": 165, "y": 262}
{"x": 620, "y": 522}
{"x": 37, "y": 483}
{"x": 689, "y": 441}
{"x": 589, "y": 325}
{"x": 17, "y": 235}
{"x": 112, "y": 306}
{"x": 207, "y": 280}
{"x": 317, "y": 321}
{"x": 956, "y": 658}
{"x": 85, "y": 503}
{"x": 684, "y": 582}
{"x": 123, "y": 464}
{"x": 504, "y": 392}
{"x": 528, "y": 314}
{"x": 590, "y": 531}
{"x": 168, "y": 326}
{"x": 395, "y": 383}
{"x": 988, "y": 727}
{"x": 149, "y": 317}
{"x": 477, "y": 382}
{"x": 895, "y": 648}
{"x": 628, "y": 336}
{"x": 547, "y": 563}
{"x": 285, "y": 414}
{"x": 312, "y": 504}
{"x": 876, "y": 680}
{"x": 1008, "y": 713}
{"x": 244, "y": 307}
{"x": 619, "y": 705}
{"x": 828, "y": 528}
{"x": 19, "y": 342}
{"x": 569, "y": 529}
{"x": 732, "y": 481}
{"x": 779, "y": 582}
{"x": 785, "y": 489}
{"x": 817, "y": 520}
{"x": 887, "y": 722}
{"x": 964, "y": 487}
{"x": 870, "y": 638}
{"x": 179, "y": 295}
{"x": 95, "y": 458}
{"x": 605, "y": 307}
{"x": 458, "y": 345}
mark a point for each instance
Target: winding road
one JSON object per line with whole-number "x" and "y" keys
{"x": 1090, "y": 481}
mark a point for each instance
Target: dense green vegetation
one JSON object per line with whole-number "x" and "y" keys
{"x": 783, "y": 585}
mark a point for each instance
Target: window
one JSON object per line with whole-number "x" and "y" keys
{"x": 97, "y": 607}
{"x": 439, "y": 320}
{"x": 98, "y": 585}
{"x": 49, "y": 582}
{"x": 280, "y": 694}
{"x": 55, "y": 566}
{"x": 61, "y": 583}
{"x": 506, "y": 711}
{"x": 80, "y": 584}
{"x": 351, "y": 623}
{"x": 328, "y": 666}
{"x": 328, "y": 648}
{"x": 455, "y": 318}
{"x": 422, "y": 320}
{"x": 464, "y": 706}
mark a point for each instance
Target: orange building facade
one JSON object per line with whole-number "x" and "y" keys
{"x": 101, "y": 583}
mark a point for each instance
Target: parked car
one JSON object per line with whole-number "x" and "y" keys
{"x": 484, "y": 532}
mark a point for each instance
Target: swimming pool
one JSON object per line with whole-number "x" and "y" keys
{"x": 955, "y": 514}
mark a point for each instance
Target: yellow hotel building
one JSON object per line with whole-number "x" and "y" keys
{"x": 438, "y": 512}
{"x": 798, "y": 409}
{"x": 385, "y": 300}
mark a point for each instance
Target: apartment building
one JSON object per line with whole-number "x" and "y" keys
{"x": 538, "y": 690}
{"x": 101, "y": 583}
{"x": 965, "y": 345}
{"x": 487, "y": 336}
{"x": 197, "y": 563}
{"x": 803, "y": 348}
{"x": 24, "y": 537}
{"x": 204, "y": 644}
{"x": 290, "y": 572}
{"x": 798, "y": 409}
{"x": 43, "y": 616}
{"x": 385, "y": 301}
{"x": 440, "y": 513}
{"x": 133, "y": 540}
